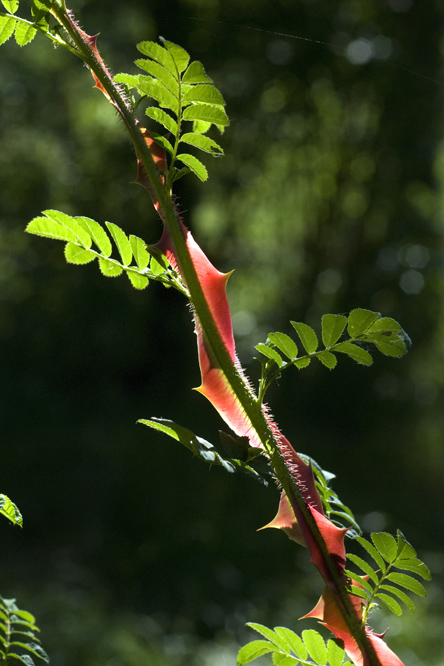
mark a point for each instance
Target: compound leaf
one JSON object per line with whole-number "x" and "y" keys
{"x": 335, "y": 653}
{"x": 294, "y": 641}
{"x": 157, "y": 91}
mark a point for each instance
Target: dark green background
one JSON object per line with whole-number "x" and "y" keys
{"x": 330, "y": 197}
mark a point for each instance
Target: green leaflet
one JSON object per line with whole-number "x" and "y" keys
{"x": 7, "y": 26}
{"x": 253, "y": 466}
{"x": 307, "y": 336}
{"x": 288, "y": 648}
{"x": 194, "y": 164}
{"x": 203, "y": 142}
{"x": 10, "y": 5}
{"x": 10, "y": 511}
{"x": 195, "y": 73}
{"x": 81, "y": 232}
{"x": 24, "y": 33}
{"x": 18, "y": 636}
{"x": 163, "y": 118}
{"x": 383, "y": 583}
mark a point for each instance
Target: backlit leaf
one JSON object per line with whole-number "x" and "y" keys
{"x": 24, "y": 33}
{"x": 294, "y": 641}
{"x": 386, "y": 545}
{"x": 201, "y": 127}
{"x": 332, "y": 328}
{"x": 162, "y": 141}
{"x": 270, "y": 353}
{"x": 160, "y": 116}
{"x": 207, "y": 113}
{"x": 280, "y": 659}
{"x": 360, "y": 320}
{"x": 109, "y": 268}
{"x": 130, "y": 80}
{"x": 328, "y": 359}
{"x": 414, "y": 565}
{"x": 82, "y": 236}
{"x": 74, "y": 254}
{"x": 203, "y": 93}
{"x": 160, "y": 73}
{"x": 122, "y": 242}
{"x": 371, "y": 550}
{"x": 7, "y": 26}
{"x": 10, "y": 510}
{"x": 400, "y": 594}
{"x": 390, "y": 603}
{"x": 356, "y": 353}
{"x": 10, "y": 5}
{"x": 307, "y": 335}
{"x": 138, "y": 281}
{"x": 194, "y": 164}
{"x": 315, "y": 645}
{"x": 366, "y": 568}
{"x": 391, "y": 346}
{"x": 284, "y": 343}
{"x": 157, "y": 91}
{"x": 335, "y": 653}
{"x": 140, "y": 253}
{"x": 180, "y": 56}
{"x": 158, "y": 53}
{"x": 97, "y": 233}
{"x": 43, "y": 226}
{"x": 253, "y": 650}
{"x": 410, "y": 583}
{"x": 196, "y": 74}
{"x": 278, "y": 640}
{"x": 302, "y": 362}
{"x": 202, "y": 142}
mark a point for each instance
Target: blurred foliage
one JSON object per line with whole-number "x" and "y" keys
{"x": 330, "y": 197}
